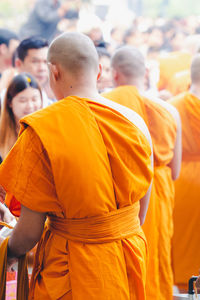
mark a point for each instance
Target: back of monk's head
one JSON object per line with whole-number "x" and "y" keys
{"x": 129, "y": 61}
{"x": 75, "y": 53}
{"x": 195, "y": 69}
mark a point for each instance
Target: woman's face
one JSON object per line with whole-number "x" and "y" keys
{"x": 26, "y": 102}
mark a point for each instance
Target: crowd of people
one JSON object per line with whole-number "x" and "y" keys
{"x": 104, "y": 181}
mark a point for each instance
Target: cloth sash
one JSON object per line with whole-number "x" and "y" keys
{"x": 22, "y": 275}
{"x": 116, "y": 225}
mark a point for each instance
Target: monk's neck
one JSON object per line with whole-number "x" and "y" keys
{"x": 195, "y": 90}
{"x": 133, "y": 82}
{"x": 82, "y": 92}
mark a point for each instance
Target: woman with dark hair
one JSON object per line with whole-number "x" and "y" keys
{"x": 23, "y": 97}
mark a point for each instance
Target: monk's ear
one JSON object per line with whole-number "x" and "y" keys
{"x": 54, "y": 72}
{"x": 115, "y": 75}
{"x": 100, "y": 72}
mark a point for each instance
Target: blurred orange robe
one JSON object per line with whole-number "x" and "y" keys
{"x": 179, "y": 82}
{"x": 186, "y": 239}
{"x": 170, "y": 64}
{"x": 158, "y": 225}
{"x": 82, "y": 161}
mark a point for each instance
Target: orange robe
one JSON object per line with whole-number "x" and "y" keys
{"x": 158, "y": 224}
{"x": 186, "y": 239}
{"x": 170, "y": 64}
{"x": 179, "y": 82}
{"x": 79, "y": 160}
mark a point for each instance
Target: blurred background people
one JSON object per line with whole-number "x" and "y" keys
{"x": 31, "y": 57}
{"x": 23, "y": 97}
{"x": 46, "y": 15}
{"x": 105, "y": 81}
{"x": 8, "y": 43}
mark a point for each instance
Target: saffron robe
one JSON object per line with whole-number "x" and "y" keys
{"x": 170, "y": 64}
{"x": 186, "y": 239}
{"x": 179, "y": 82}
{"x": 158, "y": 225}
{"x": 79, "y": 159}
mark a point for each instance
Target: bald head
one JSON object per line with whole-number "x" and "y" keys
{"x": 129, "y": 61}
{"x": 195, "y": 69}
{"x": 74, "y": 52}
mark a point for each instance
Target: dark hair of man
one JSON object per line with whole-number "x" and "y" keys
{"x": 102, "y": 52}
{"x": 33, "y": 42}
{"x": 7, "y": 35}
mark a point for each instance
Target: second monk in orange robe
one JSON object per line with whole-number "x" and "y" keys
{"x": 186, "y": 239}
{"x": 165, "y": 129}
{"x": 85, "y": 164}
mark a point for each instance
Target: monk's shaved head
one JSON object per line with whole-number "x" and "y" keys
{"x": 129, "y": 61}
{"x": 75, "y": 52}
{"x": 195, "y": 69}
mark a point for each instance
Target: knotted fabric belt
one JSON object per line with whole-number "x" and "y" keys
{"x": 116, "y": 225}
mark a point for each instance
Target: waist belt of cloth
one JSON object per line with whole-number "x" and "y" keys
{"x": 22, "y": 275}
{"x": 116, "y": 225}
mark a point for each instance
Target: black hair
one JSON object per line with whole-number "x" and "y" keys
{"x": 19, "y": 83}
{"x": 7, "y": 35}
{"x": 34, "y": 42}
{"x": 102, "y": 52}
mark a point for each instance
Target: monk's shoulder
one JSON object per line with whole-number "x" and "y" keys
{"x": 69, "y": 106}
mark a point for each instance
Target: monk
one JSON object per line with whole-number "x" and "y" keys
{"x": 175, "y": 66}
{"x": 84, "y": 165}
{"x": 186, "y": 239}
{"x": 164, "y": 125}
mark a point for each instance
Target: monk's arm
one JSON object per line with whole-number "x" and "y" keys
{"x": 175, "y": 163}
{"x": 26, "y": 233}
{"x": 144, "y": 203}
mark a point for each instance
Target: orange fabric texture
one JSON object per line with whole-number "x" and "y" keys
{"x": 186, "y": 239}
{"x": 97, "y": 163}
{"x": 170, "y": 64}
{"x": 179, "y": 82}
{"x": 158, "y": 223}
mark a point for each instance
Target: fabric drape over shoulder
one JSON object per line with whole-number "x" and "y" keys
{"x": 186, "y": 237}
{"x": 79, "y": 160}
{"x": 158, "y": 225}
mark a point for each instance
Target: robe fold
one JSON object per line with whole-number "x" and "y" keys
{"x": 186, "y": 239}
{"x": 79, "y": 160}
{"x": 158, "y": 226}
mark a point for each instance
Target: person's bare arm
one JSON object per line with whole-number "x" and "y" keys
{"x": 26, "y": 233}
{"x": 144, "y": 203}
